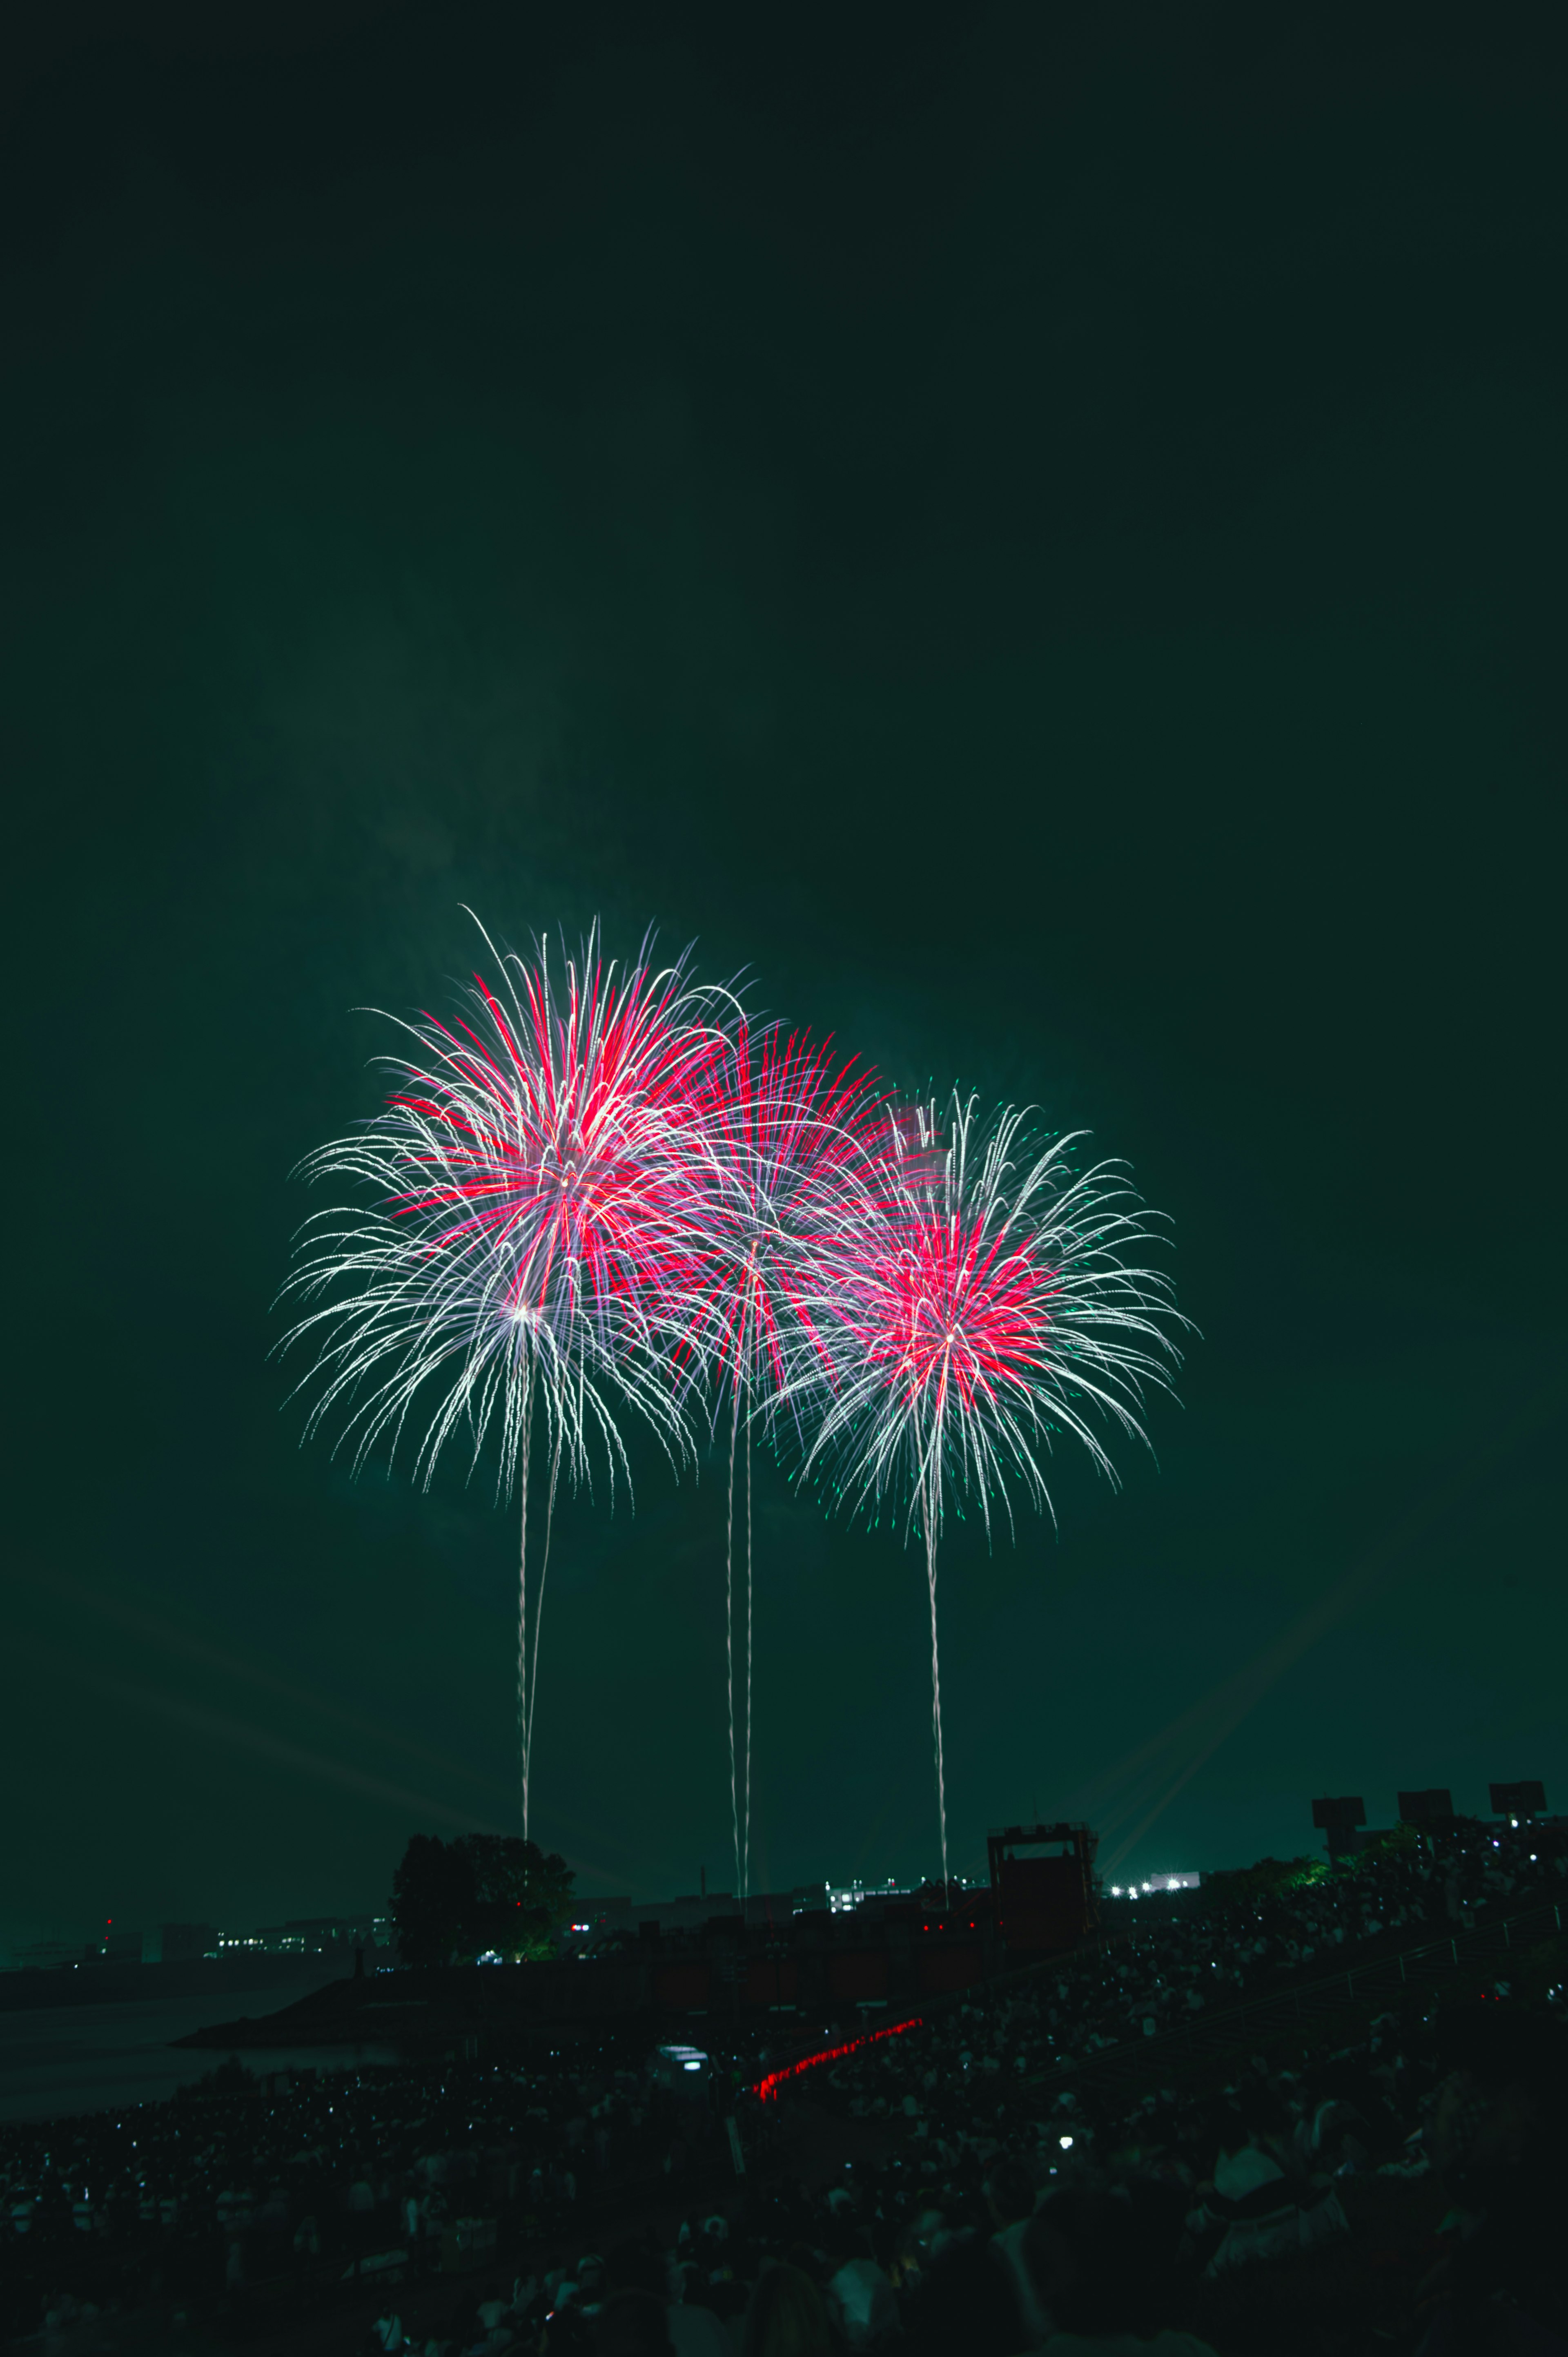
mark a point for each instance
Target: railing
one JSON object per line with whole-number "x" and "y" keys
{"x": 1273, "y": 2008}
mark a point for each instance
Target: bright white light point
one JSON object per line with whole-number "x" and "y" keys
{"x": 1066, "y": 2143}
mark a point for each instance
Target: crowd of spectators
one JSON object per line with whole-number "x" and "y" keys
{"x": 313, "y": 2176}
{"x": 1010, "y": 2193}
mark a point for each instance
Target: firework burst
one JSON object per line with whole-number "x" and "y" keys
{"x": 532, "y": 1176}
{"x": 789, "y": 1133}
{"x": 981, "y": 1299}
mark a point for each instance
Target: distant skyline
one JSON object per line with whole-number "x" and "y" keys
{"x": 1040, "y": 538}
{"x": 1146, "y": 1875}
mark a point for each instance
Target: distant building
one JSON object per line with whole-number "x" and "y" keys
{"x": 311, "y": 1935}
{"x": 45, "y": 1955}
{"x": 771, "y": 1907}
{"x": 690, "y": 1914}
{"x": 843, "y": 1898}
{"x": 178, "y": 1943}
{"x": 1155, "y": 1882}
{"x": 269, "y": 1940}
{"x": 693, "y": 1910}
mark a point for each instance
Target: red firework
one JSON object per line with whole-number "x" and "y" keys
{"x": 983, "y": 1300}
{"x": 791, "y": 1132}
{"x": 947, "y": 1313}
{"x": 571, "y": 1147}
{"x": 536, "y": 1173}
{"x": 792, "y": 1136}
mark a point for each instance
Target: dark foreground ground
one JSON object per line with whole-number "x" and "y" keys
{"x": 1382, "y": 2049}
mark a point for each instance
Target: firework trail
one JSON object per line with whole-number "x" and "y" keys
{"x": 790, "y": 1133}
{"x": 982, "y": 1300}
{"x": 532, "y": 1176}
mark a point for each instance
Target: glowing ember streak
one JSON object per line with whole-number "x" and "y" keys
{"x": 790, "y": 1135}
{"x": 768, "y": 2087}
{"x": 610, "y": 1194}
{"x": 534, "y": 1172}
{"x": 981, "y": 1301}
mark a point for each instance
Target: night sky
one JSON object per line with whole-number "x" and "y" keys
{"x": 1041, "y": 534}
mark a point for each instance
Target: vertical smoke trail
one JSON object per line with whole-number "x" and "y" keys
{"x": 928, "y": 1517}
{"x": 729, "y": 1634}
{"x": 983, "y": 1301}
{"x": 534, "y": 1172}
{"x": 740, "y": 1750}
{"x": 788, "y": 1132}
{"x": 539, "y": 1617}
{"x": 745, "y": 1868}
{"x": 522, "y": 1591}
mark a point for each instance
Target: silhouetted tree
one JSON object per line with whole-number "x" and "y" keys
{"x": 523, "y": 1895}
{"x": 483, "y": 1893}
{"x": 432, "y": 1900}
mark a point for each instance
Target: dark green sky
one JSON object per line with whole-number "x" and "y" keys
{"x": 1048, "y": 547}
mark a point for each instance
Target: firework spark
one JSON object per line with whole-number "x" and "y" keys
{"x": 981, "y": 1299}
{"x": 620, "y": 1194}
{"x": 532, "y": 1175}
{"x": 789, "y": 1133}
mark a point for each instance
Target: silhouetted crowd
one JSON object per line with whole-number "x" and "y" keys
{"x": 1009, "y": 2193}
{"x": 325, "y": 2176}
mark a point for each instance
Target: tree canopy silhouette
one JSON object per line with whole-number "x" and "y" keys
{"x": 482, "y": 1894}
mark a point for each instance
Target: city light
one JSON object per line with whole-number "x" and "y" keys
{"x": 690, "y": 2058}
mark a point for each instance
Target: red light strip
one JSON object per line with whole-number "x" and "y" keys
{"x": 776, "y": 2079}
